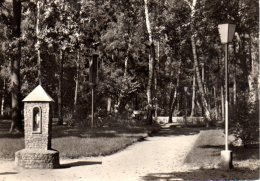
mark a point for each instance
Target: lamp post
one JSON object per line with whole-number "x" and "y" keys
{"x": 226, "y": 32}
{"x": 93, "y": 79}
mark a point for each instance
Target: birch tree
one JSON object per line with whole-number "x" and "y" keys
{"x": 151, "y": 64}
{"x": 37, "y": 46}
{"x": 192, "y": 6}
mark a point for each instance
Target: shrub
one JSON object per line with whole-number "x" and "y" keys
{"x": 244, "y": 121}
{"x": 124, "y": 119}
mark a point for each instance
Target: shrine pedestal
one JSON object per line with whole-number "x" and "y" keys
{"x": 37, "y": 158}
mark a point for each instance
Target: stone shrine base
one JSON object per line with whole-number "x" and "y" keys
{"x": 36, "y": 158}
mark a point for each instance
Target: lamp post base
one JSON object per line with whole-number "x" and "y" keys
{"x": 226, "y": 159}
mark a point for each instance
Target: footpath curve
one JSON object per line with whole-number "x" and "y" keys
{"x": 158, "y": 154}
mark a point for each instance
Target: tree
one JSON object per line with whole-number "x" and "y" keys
{"x": 38, "y": 19}
{"x": 65, "y": 34}
{"x": 58, "y": 33}
{"x": 193, "y": 96}
{"x": 196, "y": 63}
{"x": 15, "y": 68}
{"x": 123, "y": 51}
{"x": 5, "y": 51}
{"x": 245, "y": 121}
{"x": 151, "y": 65}
{"x": 174, "y": 93}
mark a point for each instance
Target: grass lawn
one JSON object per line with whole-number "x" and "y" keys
{"x": 75, "y": 142}
{"x": 206, "y": 150}
{"x": 205, "y": 155}
{"x": 74, "y": 147}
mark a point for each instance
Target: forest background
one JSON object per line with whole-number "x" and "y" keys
{"x": 163, "y": 57}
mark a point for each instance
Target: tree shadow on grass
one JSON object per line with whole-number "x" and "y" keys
{"x": 245, "y": 153}
{"x": 206, "y": 174}
{"x": 79, "y": 163}
{"x": 63, "y": 131}
{"x": 8, "y": 173}
{"x": 4, "y": 130}
{"x": 11, "y": 135}
{"x": 221, "y": 147}
{"x": 177, "y": 131}
{"x": 239, "y": 152}
{"x": 88, "y": 133}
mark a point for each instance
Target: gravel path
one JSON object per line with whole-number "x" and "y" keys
{"x": 159, "y": 154}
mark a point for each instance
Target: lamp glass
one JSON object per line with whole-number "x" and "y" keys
{"x": 226, "y": 32}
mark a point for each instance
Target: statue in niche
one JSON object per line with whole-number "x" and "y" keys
{"x": 36, "y": 119}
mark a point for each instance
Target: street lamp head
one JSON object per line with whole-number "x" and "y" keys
{"x": 93, "y": 69}
{"x": 226, "y": 32}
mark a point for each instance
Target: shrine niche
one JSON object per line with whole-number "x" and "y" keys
{"x": 37, "y": 121}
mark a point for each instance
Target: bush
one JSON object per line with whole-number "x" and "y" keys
{"x": 244, "y": 121}
{"x": 124, "y": 119}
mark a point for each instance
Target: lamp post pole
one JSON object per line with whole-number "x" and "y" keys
{"x": 226, "y": 96}
{"x": 226, "y": 32}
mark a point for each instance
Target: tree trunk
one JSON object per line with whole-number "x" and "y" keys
{"x": 121, "y": 97}
{"x": 200, "y": 109}
{"x": 118, "y": 106}
{"x": 203, "y": 74}
{"x": 151, "y": 66}
{"x": 193, "y": 95}
{"x": 16, "y": 124}
{"x": 162, "y": 97}
{"x": 254, "y": 69}
{"x": 196, "y": 63}
{"x": 60, "y": 90}
{"x": 171, "y": 101}
{"x": 147, "y": 21}
{"x": 3, "y": 99}
{"x": 109, "y": 102}
{"x": 126, "y": 66}
{"x": 127, "y": 56}
{"x": 234, "y": 76}
{"x": 200, "y": 86}
{"x": 164, "y": 103}
{"x": 174, "y": 101}
{"x": 156, "y": 80}
{"x": 173, "y": 105}
{"x": 243, "y": 61}
{"x": 150, "y": 84}
{"x": 178, "y": 107}
{"x": 234, "y": 87}
{"x": 76, "y": 84}
{"x": 203, "y": 77}
{"x": 215, "y": 103}
{"x": 38, "y": 48}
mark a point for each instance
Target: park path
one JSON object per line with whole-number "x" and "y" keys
{"x": 158, "y": 154}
